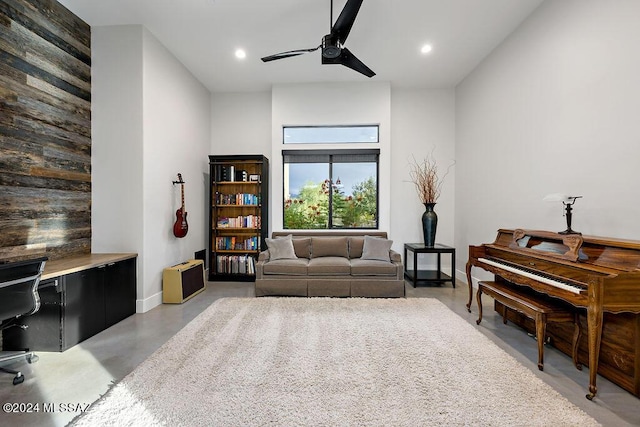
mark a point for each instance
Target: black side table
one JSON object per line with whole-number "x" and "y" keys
{"x": 429, "y": 276}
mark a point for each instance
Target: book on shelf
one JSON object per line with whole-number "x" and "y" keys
{"x": 240, "y": 199}
{"x": 249, "y": 221}
{"x": 233, "y": 243}
{"x": 235, "y": 264}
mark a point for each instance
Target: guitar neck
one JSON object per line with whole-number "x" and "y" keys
{"x": 182, "y": 191}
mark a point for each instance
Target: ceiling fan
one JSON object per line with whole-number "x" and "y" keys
{"x": 333, "y": 50}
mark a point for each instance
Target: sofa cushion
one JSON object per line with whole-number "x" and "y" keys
{"x": 376, "y": 248}
{"x": 291, "y": 267}
{"x": 329, "y": 247}
{"x": 302, "y": 246}
{"x": 329, "y": 266}
{"x": 281, "y": 248}
{"x": 370, "y": 267}
{"x": 355, "y": 246}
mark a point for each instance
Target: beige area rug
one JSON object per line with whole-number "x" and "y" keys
{"x": 331, "y": 362}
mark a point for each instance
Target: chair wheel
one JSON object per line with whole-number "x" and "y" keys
{"x": 18, "y": 379}
{"x": 33, "y": 358}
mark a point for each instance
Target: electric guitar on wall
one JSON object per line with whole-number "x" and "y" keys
{"x": 180, "y": 228}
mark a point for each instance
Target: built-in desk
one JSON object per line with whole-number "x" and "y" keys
{"x": 76, "y": 263}
{"x": 80, "y": 296}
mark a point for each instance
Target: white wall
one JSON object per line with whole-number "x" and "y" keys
{"x": 413, "y": 122}
{"x": 241, "y": 123}
{"x": 151, "y": 120}
{"x": 116, "y": 149}
{"x": 330, "y": 104}
{"x": 553, "y": 109}
{"x": 422, "y": 123}
{"x": 177, "y": 135}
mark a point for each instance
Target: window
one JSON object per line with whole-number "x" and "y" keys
{"x": 330, "y": 189}
{"x": 330, "y": 134}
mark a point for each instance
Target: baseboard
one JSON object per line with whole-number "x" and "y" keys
{"x": 462, "y": 276}
{"x": 142, "y": 306}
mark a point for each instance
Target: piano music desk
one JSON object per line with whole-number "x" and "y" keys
{"x": 436, "y": 276}
{"x": 542, "y": 311}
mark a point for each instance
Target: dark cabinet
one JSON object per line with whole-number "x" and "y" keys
{"x": 83, "y": 306}
{"x": 76, "y": 306}
{"x": 119, "y": 280}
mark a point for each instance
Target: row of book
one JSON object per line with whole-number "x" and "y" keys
{"x": 239, "y": 199}
{"x": 249, "y": 221}
{"x": 235, "y": 264}
{"x": 235, "y": 243}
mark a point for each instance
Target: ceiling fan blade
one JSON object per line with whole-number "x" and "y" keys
{"x": 349, "y": 60}
{"x": 288, "y": 54}
{"x": 345, "y": 21}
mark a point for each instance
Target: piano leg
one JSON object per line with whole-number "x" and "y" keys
{"x": 479, "y": 299}
{"x": 594, "y": 323}
{"x": 577, "y": 332}
{"x": 541, "y": 331}
{"x": 470, "y": 287}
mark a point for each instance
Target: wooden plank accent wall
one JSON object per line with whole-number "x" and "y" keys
{"x": 45, "y": 131}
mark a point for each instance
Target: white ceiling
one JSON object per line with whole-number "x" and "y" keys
{"x": 387, "y": 36}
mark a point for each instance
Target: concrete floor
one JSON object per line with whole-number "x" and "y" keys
{"x": 70, "y": 381}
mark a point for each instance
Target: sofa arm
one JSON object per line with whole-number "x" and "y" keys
{"x": 263, "y": 256}
{"x": 396, "y": 259}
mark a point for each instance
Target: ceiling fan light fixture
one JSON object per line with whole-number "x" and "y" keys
{"x": 240, "y": 54}
{"x": 330, "y": 46}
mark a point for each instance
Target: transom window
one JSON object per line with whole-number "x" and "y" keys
{"x": 330, "y": 134}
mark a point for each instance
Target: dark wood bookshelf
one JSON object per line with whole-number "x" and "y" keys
{"x": 238, "y": 194}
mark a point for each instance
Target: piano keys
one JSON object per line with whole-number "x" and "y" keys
{"x": 576, "y": 289}
{"x": 598, "y": 276}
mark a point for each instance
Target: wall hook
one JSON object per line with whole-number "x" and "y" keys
{"x": 179, "y": 181}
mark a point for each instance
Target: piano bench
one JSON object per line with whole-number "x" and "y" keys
{"x": 540, "y": 310}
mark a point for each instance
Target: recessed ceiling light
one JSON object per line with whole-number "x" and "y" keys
{"x": 241, "y": 54}
{"x": 426, "y": 48}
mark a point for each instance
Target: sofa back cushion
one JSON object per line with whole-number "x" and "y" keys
{"x": 281, "y": 248}
{"x": 355, "y": 246}
{"x": 302, "y": 246}
{"x": 329, "y": 246}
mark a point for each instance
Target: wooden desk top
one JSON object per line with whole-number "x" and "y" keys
{"x": 73, "y": 264}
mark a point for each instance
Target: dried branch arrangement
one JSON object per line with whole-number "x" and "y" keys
{"x": 424, "y": 176}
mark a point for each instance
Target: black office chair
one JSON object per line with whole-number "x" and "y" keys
{"x": 18, "y": 298}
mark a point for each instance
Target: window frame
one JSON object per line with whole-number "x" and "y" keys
{"x": 330, "y": 154}
{"x": 376, "y": 126}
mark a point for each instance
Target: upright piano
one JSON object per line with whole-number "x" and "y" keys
{"x": 598, "y": 276}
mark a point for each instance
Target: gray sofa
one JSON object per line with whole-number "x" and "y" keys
{"x": 330, "y": 264}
